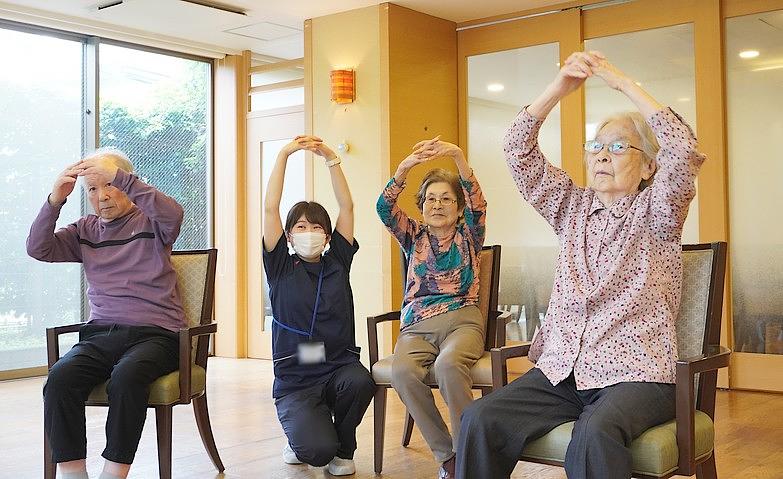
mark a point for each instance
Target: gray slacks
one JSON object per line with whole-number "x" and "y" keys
{"x": 447, "y": 345}
{"x": 496, "y": 428}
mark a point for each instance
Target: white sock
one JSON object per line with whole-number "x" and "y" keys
{"x": 106, "y": 475}
{"x": 74, "y": 475}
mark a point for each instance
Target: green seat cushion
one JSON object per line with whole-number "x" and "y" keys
{"x": 165, "y": 389}
{"x": 654, "y": 453}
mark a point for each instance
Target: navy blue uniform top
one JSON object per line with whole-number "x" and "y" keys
{"x": 292, "y": 287}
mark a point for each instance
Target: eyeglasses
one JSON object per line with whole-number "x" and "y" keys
{"x": 442, "y": 201}
{"x": 615, "y": 147}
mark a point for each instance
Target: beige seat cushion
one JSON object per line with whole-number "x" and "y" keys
{"x": 481, "y": 372}
{"x": 164, "y": 391}
{"x": 654, "y": 453}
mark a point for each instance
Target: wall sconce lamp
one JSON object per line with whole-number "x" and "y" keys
{"x": 343, "y": 86}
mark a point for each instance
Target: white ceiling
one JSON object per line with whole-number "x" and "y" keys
{"x": 270, "y": 27}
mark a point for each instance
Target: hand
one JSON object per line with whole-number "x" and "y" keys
{"x": 301, "y": 142}
{"x": 417, "y": 157}
{"x": 610, "y": 74}
{"x": 101, "y": 170}
{"x": 436, "y": 148}
{"x": 322, "y": 149}
{"x": 578, "y": 67}
{"x": 410, "y": 161}
{"x": 65, "y": 183}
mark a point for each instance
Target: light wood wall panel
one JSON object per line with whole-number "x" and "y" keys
{"x": 231, "y": 106}
{"x": 421, "y": 51}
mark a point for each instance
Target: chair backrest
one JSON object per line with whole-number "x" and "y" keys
{"x": 489, "y": 283}
{"x": 701, "y": 307}
{"x": 196, "y": 286}
{"x": 699, "y": 317}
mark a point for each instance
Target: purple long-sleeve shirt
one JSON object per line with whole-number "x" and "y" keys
{"x": 127, "y": 261}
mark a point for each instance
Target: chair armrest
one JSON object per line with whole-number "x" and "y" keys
{"x": 186, "y": 336}
{"x": 716, "y": 358}
{"x": 499, "y": 356}
{"x": 500, "y": 318}
{"x": 372, "y": 332}
{"x": 53, "y": 343}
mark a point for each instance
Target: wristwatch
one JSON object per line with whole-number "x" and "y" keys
{"x": 335, "y": 161}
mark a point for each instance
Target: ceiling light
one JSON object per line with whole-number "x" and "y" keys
{"x": 749, "y": 54}
{"x": 683, "y": 99}
{"x": 495, "y": 87}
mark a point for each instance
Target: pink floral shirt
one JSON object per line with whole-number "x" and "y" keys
{"x": 619, "y": 271}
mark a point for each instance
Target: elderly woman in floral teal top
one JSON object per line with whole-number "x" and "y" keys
{"x": 442, "y": 328}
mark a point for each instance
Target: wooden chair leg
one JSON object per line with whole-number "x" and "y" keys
{"x": 205, "y": 430}
{"x": 379, "y": 419}
{"x": 163, "y": 416}
{"x": 50, "y": 468}
{"x": 408, "y": 431}
{"x": 707, "y": 470}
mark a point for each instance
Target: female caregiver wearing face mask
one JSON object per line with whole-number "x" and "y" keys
{"x": 321, "y": 390}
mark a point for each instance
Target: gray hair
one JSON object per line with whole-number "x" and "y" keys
{"x": 649, "y": 144}
{"x": 115, "y": 154}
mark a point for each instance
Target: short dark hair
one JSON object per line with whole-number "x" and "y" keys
{"x": 439, "y": 175}
{"x": 313, "y": 212}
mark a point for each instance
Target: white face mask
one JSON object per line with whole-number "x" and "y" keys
{"x": 309, "y": 244}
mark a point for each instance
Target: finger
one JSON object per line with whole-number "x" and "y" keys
{"x": 582, "y": 60}
{"x": 423, "y": 148}
{"x": 589, "y": 59}
{"x": 597, "y": 54}
{"x": 420, "y": 144}
{"x": 91, "y": 171}
{"x": 572, "y": 71}
{"x": 584, "y": 68}
{"x": 571, "y": 58}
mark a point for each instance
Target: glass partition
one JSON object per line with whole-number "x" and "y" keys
{"x": 754, "y": 65}
{"x": 499, "y": 84}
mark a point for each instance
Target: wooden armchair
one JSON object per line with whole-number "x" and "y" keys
{"x": 196, "y": 285}
{"x": 481, "y": 371}
{"x": 685, "y": 445}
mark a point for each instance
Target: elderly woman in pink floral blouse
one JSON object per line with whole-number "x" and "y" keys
{"x": 605, "y": 355}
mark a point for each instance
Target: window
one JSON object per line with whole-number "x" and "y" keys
{"x": 154, "y": 106}
{"x": 40, "y": 134}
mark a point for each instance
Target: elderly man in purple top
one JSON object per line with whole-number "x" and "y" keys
{"x": 135, "y": 309}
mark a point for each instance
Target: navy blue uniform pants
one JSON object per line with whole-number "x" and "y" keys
{"x": 320, "y": 421}
{"x": 130, "y": 358}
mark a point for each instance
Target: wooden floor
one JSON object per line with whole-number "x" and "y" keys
{"x": 749, "y": 435}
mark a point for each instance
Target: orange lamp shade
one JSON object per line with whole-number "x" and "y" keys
{"x": 342, "y": 86}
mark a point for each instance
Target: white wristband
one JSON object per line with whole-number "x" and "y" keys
{"x": 333, "y": 162}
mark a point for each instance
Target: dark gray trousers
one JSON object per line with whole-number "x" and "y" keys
{"x": 496, "y": 428}
{"x": 320, "y": 421}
